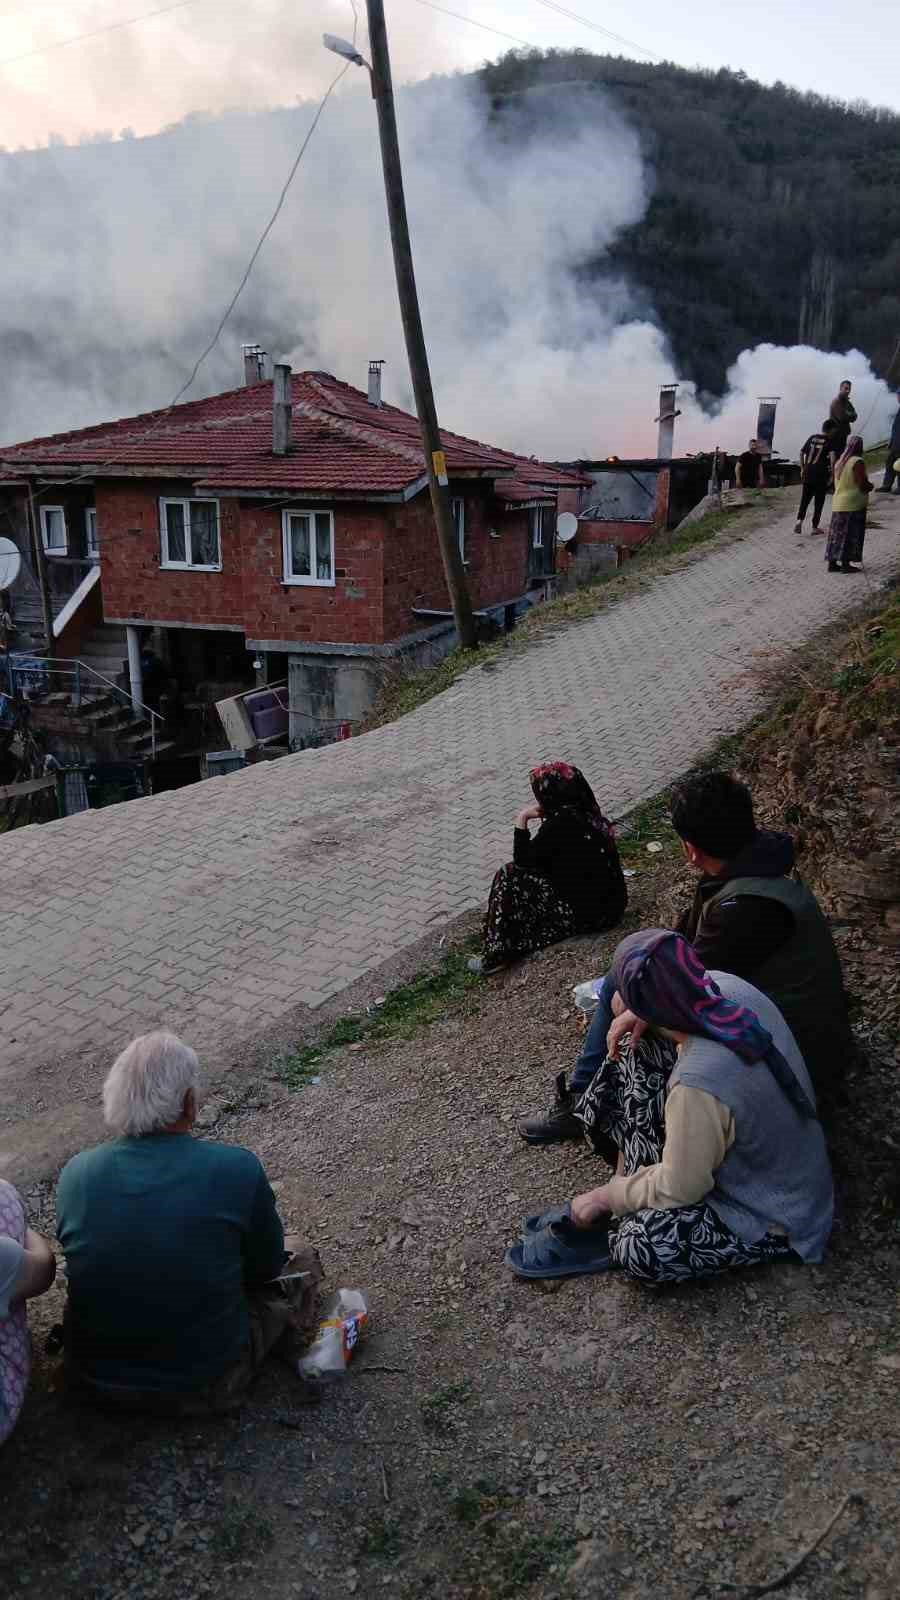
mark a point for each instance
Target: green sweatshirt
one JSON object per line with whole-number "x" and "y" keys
{"x": 163, "y": 1236}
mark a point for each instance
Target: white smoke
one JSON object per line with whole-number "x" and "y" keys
{"x": 122, "y": 256}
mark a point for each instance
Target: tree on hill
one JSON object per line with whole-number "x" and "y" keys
{"x": 774, "y": 216}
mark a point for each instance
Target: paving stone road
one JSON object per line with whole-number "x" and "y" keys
{"x": 218, "y": 908}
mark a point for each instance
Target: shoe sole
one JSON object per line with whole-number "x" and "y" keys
{"x": 574, "y": 1269}
{"x": 551, "y": 1138}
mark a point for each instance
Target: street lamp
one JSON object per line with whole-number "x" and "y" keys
{"x": 343, "y": 47}
{"x": 435, "y": 463}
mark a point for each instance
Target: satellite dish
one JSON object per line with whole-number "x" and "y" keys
{"x": 566, "y": 527}
{"x": 10, "y": 563}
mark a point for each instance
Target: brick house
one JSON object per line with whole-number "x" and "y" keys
{"x": 255, "y": 556}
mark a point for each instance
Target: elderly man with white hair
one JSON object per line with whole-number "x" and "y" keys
{"x": 180, "y": 1282}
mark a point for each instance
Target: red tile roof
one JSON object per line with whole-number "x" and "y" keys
{"x": 340, "y": 444}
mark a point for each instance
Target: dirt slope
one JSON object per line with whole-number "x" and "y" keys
{"x": 496, "y": 1440}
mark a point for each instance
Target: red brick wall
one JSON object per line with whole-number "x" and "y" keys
{"x": 627, "y": 535}
{"x": 135, "y": 585}
{"x": 349, "y": 613}
{"x": 386, "y": 562}
{"x": 414, "y": 573}
{"x": 661, "y": 514}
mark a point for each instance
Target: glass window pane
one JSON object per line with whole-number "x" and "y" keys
{"x": 300, "y": 547}
{"x": 204, "y": 533}
{"x": 93, "y": 544}
{"x": 176, "y": 549}
{"x": 55, "y": 525}
{"x": 323, "y": 547}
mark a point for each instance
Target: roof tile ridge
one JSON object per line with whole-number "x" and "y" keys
{"x": 349, "y": 428}
{"x": 140, "y": 419}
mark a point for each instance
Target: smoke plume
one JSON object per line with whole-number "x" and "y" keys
{"x": 121, "y": 256}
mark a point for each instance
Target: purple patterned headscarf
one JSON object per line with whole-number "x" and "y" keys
{"x": 661, "y": 979}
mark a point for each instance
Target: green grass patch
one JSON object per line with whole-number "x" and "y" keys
{"x": 646, "y": 824}
{"x": 241, "y": 1531}
{"x": 437, "y": 1409}
{"x": 406, "y": 690}
{"x": 474, "y": 1502}
{"x": 506, "y": 1561}
{"x": 404, "y": 1012}
{"x": 381, "y": 1540}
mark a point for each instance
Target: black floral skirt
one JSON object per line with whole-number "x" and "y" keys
{"x": 846, "y": 536}
{"x": 525, "y": 913}
{"x": 626, "y": 1103}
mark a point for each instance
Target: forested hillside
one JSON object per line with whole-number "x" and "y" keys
{"x": 775, "y": 214}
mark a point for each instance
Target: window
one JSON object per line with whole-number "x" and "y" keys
{"x": 542, "y": 543}
{"x": 308, "y": 541}
{"x": 190, "y": 534}
{"x": 90, "y": 528}
{"x": 458, "y": 507}
{"x": 53, "y": 530}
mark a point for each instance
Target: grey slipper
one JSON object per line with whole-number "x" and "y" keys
{"x": 560, "y": 1251}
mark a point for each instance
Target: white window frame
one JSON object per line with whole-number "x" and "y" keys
{"x": 92, "y": 537}
{"x": 458, "y": 508}
{"x": 54, "y": 549}
{"x": 186, "y": 501}
{"x": 312, "y": 581}
{"x": 537, "y": 527}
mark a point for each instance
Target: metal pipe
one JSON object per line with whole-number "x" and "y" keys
{"x": 135, "y": 673}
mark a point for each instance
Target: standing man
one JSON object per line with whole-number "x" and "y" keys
{"x": 843, "y": 412}
{"x": 816, "y": 468}
{"x": 890, "y": 472}
{"x": 750, "y": 474}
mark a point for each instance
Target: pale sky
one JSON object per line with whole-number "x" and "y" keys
{"x": 209, "y": 55}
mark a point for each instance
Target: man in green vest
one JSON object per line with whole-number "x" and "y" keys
{"x": 750, "y": 917}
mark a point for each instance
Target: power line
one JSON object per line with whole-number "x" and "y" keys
{"x": 94, "y": 33}
{"x": 159, "y": 420}
{"x": 263, "y": 236}
{"x": 460, "y": 17}
{"x": 596, "y": 27}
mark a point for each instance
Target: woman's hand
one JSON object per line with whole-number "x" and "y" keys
{"x": 529, "y": 813}
{"x": 587, "y": 1208}
{"x": 624, "y": 1022}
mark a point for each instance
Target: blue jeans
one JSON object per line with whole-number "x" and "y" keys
{"x": 593, "y": 1052}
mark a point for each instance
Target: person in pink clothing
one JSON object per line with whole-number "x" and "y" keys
{"x": 27, "y": 1268}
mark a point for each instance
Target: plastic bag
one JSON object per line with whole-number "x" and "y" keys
{"x": 344, "y": 1323}
{"x": 587, "y": 995}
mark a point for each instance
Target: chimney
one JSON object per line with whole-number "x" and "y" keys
{"x": 666, "y": 419}
{"x": 375, "y": 383}
{"x": 765, "y": 422}
{"x": 254, "y": 364}
{"x": 281, "y": 411}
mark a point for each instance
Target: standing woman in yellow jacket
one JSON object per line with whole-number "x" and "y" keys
{"x": 848, "y": 509}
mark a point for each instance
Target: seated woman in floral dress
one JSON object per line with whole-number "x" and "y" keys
{"x": 710, "y": 1122}
{"x": 27, "y": 1268}
{"x": 564, "y": 881}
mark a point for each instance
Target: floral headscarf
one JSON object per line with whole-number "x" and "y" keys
{"x": 556, "y": 785}
{"x": 853, "y": 449}
{"x": 662, "y": 980}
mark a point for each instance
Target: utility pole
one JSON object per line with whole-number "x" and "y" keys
{"x": 383, "y": 94}
{"x": 40, "y": 570}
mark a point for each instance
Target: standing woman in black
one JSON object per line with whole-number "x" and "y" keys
{"x": 565, "y": 880}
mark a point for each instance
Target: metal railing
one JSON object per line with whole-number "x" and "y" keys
{"x": 35, "y": 675}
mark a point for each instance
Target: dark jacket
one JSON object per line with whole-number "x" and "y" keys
{"x": 581, "y": 862}
{"x": 842, "y": 411}
{"x": 895, "y": 439}
{"x": 765, "y": 926}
